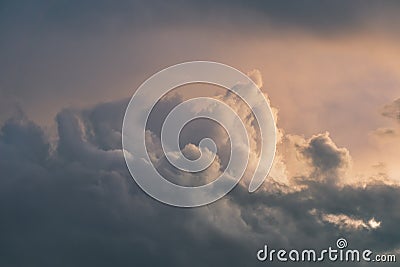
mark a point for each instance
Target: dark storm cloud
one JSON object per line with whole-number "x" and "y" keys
{"x": 24, "y": 140}
{"x": 78, "y": 206}
{"x": 75, "y": 205}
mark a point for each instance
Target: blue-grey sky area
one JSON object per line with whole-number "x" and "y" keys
{"x": 68, "y": 69}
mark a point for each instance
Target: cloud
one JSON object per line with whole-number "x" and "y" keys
{"x": 392, "y": 110}
{"x": 256, "y": 76}
{"x": 324, "y": 154}
{"x": 24, "y": 140}
{"x": 74, "y": 203}
{"x": 316, "y": 158}
{"x": 386, "y": 132}
{"x": 315, "y": 17}
{"x": 345, "y": 222}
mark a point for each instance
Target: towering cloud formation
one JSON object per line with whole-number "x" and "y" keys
{"x": 68, "y": 199}
{"x": 74, "y": 202}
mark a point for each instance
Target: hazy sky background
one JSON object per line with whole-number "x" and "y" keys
{"x": 327, "y": 66}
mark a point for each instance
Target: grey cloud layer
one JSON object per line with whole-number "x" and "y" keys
{"x": 75, "y": 204}
{"x": 316, "y": 16}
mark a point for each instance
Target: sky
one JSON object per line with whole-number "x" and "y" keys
{"x": 330, "y": 70}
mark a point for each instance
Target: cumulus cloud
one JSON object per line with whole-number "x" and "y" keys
{"x": 256, "y": 76}
{"x": 314, "y": 159}
{"x": 74, "y": 202}
{"x": 70, "y": 201}
{"x": 327, "y": 160}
